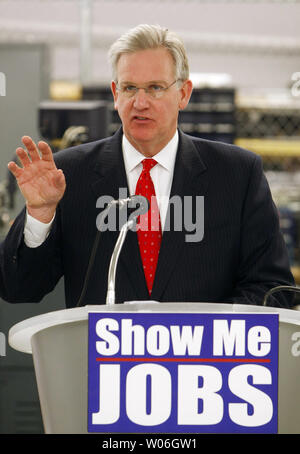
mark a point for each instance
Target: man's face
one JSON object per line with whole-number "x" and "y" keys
{"x": 148, "y": 123}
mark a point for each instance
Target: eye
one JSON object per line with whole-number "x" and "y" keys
{"x": 129, "y": 88}
{"x": 155, "y": 88}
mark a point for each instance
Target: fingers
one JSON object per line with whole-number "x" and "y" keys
{"x": 32, "y": 154}
{"x": 32, "y": 148}
{"x": 14, "y": 169}
{"x": 59, "y": 179}
{"x": 23, "y": 157}
{"x": 46, "y": 151}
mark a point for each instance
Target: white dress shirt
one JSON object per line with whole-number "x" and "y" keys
{"x": 35, "y": 232}
{"x": 161, "y": 174}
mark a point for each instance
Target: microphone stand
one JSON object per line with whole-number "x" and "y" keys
{"x": 93, "y": 254}
{"x": 110, "y": 296}
{"x": 114, "y": 259}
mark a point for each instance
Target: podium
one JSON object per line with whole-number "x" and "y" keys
{"x": 58, "y": 342}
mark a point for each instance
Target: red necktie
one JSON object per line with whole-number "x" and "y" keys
{"x": 149, "y": 227}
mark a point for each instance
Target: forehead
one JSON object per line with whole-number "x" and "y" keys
{"x": 146, "y": 65}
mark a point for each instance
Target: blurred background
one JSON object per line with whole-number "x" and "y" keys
{"x": 54, "y": 85}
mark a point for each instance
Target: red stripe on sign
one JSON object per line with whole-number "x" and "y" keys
{"x": 187, "y": 360}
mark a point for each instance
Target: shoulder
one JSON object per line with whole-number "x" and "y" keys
{"x": 80, "y": 154}
{"x": 211, "y": 149}
{"x": 81, "y": 160}
{"x": 226, "y": 157}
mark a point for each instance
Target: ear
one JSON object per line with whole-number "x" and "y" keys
{"x": 115, "y": 93}
{"x": 185, "y": 93}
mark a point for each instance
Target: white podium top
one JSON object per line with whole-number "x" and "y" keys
{"x": 20, "y": 334}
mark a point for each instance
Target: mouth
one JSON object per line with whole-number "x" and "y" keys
{"x": 140, "y": 118}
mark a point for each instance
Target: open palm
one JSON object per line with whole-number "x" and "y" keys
{"x": 39, "y": 180}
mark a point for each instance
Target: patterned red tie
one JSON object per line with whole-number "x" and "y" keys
{"x": 149, "y": 227}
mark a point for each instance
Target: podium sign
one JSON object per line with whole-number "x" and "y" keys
{"x": 183, "y": 372}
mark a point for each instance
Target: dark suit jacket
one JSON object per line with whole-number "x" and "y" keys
{"x": 240, "y": 257}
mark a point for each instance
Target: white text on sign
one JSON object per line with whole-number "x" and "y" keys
{"x": 183, "y": 372}
{"x": 185, "y": 340}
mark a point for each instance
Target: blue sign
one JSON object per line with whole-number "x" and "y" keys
{"x": 182, "y": 372}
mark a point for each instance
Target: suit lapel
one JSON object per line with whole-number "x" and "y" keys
{"x": 108, "y": 171}
{"x": 109, "y": 177}
{"x": 189, "y": 179}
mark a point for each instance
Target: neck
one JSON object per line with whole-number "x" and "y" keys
{"x": 149, "y": 149}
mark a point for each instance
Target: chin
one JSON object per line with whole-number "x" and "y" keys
{"x": 142, "y": 136}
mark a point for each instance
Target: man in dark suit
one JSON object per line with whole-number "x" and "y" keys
{"x": 237, "y": 258}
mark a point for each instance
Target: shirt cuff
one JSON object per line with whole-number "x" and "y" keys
{"x": 35, "y": 232}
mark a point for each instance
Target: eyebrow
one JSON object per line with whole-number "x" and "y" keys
{"x": 146, "y": 83}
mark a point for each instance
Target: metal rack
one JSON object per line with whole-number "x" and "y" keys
{"x": 269, "y": 125}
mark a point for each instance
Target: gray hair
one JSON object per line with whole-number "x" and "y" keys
{"x": 145, "y": 37}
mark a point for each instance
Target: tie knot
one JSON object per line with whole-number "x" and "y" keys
{"x": 148, "y": 164}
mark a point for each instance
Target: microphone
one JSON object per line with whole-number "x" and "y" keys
{"x": 131, "y": 202}
{"x": 110, "y": 296}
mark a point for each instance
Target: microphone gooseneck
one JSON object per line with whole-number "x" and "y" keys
{"x": 131, "y": 202}
{"x": 110, "y": 296}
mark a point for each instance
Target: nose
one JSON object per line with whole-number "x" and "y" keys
{"x": 141, "y": 99}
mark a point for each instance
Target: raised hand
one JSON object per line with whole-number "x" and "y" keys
{"x": 39, "y": 180}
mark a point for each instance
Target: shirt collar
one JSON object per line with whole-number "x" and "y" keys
{"x": 166, "y": 157}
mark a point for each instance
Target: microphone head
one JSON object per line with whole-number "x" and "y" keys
{"x": 123, "y": 202}
{"x": 141, "y": 200}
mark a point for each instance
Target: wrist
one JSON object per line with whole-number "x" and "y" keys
{"x": 44, "y": 214}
